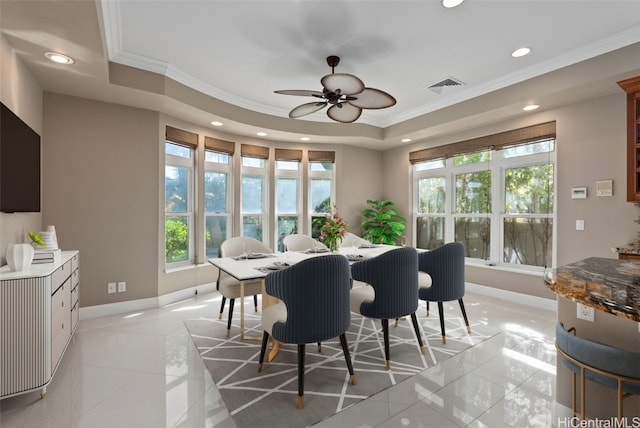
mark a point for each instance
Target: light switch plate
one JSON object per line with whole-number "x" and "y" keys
{"x": 579, "y": 224}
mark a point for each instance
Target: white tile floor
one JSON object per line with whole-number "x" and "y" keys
{"x": 142, "y": 370}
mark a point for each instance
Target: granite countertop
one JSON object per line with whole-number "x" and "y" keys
{"x": 626, "y": 250}
{"x": 609, "y": 285}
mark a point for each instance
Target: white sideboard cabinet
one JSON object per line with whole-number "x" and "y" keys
{"x": 38, "y": 316}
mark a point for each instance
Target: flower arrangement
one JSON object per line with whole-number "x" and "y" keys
{"x": 333, "y": 230}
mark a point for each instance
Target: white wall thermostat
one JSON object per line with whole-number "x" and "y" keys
{"x": 604, "y": 188}
{"x": 579, "y": 193}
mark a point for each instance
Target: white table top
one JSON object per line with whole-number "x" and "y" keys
{"x": 247, "y": 269}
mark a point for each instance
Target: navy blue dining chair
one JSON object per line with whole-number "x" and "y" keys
{"x": 444, "y": 266}
{"x": 391, "y": 290}
{"x": 314, "y": 307}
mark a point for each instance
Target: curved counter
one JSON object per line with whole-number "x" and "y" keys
{"x": 608, "y": 285}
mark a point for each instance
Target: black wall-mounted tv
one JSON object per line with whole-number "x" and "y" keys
{"x": 19, "y": 164}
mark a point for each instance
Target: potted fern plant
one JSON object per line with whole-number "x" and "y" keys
{"x": 382, "y": 222}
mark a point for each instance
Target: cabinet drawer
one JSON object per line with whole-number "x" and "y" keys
{"x": 75, "y": 316}
{"x": 75, "y": 278}
{"x": 60, "y": 321}
{"x": 60, "y": 275}
{"x": 61, "y": 300}
{"x": 75, "y": 262}
{"x": 74, "y": 296}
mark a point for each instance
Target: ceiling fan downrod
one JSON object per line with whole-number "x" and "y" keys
{"x": 333, "y": 61}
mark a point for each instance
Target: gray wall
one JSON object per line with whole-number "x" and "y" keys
{"x": 100, "y": 169}
{"x": 22, "y": 94}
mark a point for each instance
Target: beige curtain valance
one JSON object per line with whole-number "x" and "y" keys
{"x": 498, "y": 141}
{"x": 220, "y": 146}
{"x": 322, "y": 156}
{"x": 250, "y": 151}
{"x": 180, "y": 136}
{"x": 289, "y": 155}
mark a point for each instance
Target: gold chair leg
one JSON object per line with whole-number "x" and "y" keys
{"x": 388, "y": 365}
{"x": 422, "y": 350}
{"x": 228, "y": 332}
{"x": 301, "y": 402}
{"x": 444, "y": 340}
{"x": 353, "y": 379}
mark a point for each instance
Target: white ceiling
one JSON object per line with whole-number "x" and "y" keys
{"x": 239, "y": 52}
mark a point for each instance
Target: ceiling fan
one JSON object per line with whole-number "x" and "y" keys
{"x": 346, "y": 94}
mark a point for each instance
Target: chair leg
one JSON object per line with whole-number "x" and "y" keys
{"x": 231, "y": 303}
{"x": 319, "y": 346}
{"x": 263, "y": 349}
{"x": 414, "y": 320}
{"x": 301, "y": 350}
{"x": 255, "y": 302}
{"x": 224, "y": 299}
{"x": 347, "y": 357}
{"x": 464, "y": 315}
{"x": 441, "y": 310}
{"x": 385, "y": 333}
{"x": 427, "y": 308}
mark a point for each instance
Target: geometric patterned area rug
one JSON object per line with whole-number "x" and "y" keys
{"x": 269, "y": 398}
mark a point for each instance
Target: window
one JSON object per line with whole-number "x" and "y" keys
{"x": 217, "y": 203}
{"x": 179, "y": 216}
{"x": 253, "y": 192}
{"x": 498, "y": 202}
{"x": 321, "y": 188}
{"x": 287, "y": 200}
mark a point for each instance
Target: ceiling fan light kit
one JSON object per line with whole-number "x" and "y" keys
{"x": 346, "y": 94}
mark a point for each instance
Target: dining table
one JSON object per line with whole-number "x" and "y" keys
{"x": 256, "y": 266}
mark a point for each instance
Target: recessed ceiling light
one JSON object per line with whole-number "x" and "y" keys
{"x": 521, "y": 52}
{"x": 305, "y": 138}
{"x": 216, "y": 123}
{"x": 530, "y": 107}
{"x": 58, "y": 58}
{"x": 406, "y": 140}
{"x": 451, "y": 3}
{"x": 261, "y": 134}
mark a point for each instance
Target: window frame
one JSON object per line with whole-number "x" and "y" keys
{"x": 263, "y": 173}
{"x": 319, "y": 175}
{"x": 221, "y": 168}
{"x": 498, "y": 166}
{"x": 288, "y": 174}
{"x": 190, "y": 214}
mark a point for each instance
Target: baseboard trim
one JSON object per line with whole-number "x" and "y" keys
{"x": 512, "y": 296}
{"x": 110, "y": 309}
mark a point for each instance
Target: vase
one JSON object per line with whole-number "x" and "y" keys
{"x": 19, "y": 256}
{"x": 333, "y": 246}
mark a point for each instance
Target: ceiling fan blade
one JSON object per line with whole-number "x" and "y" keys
{"x": 305, "y": 109}
{"x": 300, "y": 92}
{"x": 345, "y": 113}
{"x": 347, "y": 84}
{"x": 372, "y": 98}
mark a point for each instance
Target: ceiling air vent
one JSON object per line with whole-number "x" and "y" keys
{"x": 449, "y": 82}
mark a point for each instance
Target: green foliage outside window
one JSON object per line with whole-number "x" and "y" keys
{"x": 177, "y": 240}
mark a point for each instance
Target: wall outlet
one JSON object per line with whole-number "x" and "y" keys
{"x": 122, "y": 287}
{"x": 111, "y": 287}
{"x": 586, "y": 313}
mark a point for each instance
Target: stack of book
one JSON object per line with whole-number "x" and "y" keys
{"x": 45, "y": 256}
